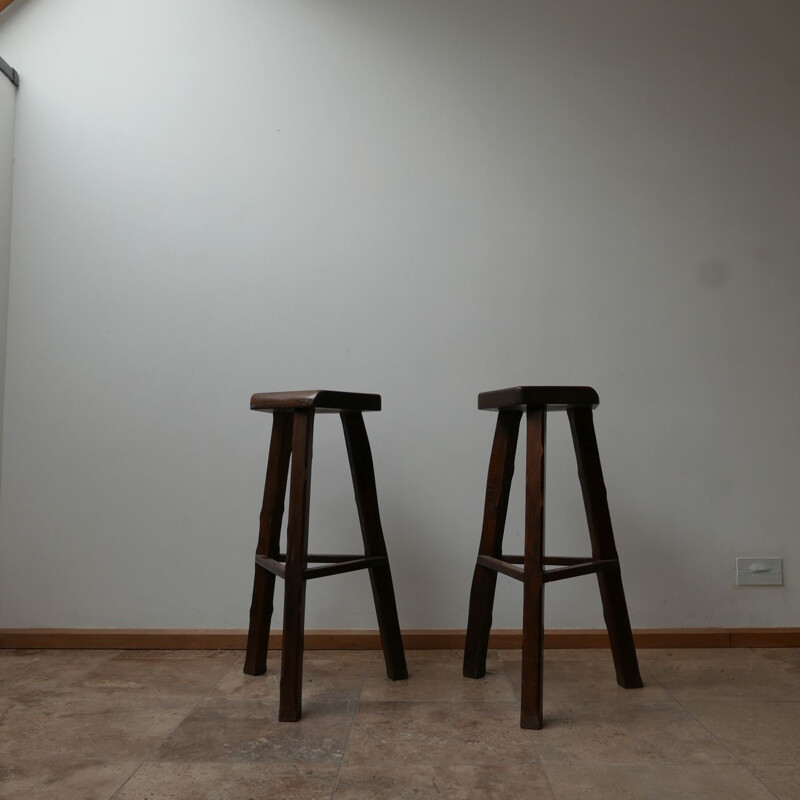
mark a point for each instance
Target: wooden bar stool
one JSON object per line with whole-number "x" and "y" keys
{"x": 536, "y": 401}
{"x": 292, "y": 435}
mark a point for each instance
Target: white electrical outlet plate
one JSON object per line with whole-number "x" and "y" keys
{"x": 759, "y": 572}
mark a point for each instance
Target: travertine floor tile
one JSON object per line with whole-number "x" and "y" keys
{"x": 721, "y": 655}
{"x": 728, "y": 679}
{"x": 328, "y": 676}
{"x": 576, "y": 682}
{"x": 668, "y": 782}
{"x": 764, "y": 733}
{"x": 437, "y": 675}
{"x": 25, "y": 671}
{"x": 36, "y": 780}
{"x": 237, "y": 731}
{"x": 603, "y": 655}
{"x": 84, "y": 724}
{"x": 439, "y": 733}
{"x": 132, "y": 675}
{"x": 783, "y": 782}
{"x": 461, "y": 782}
{"x": 595, "y": 732}
{"x": 231, "y": 781}
{"x": 78, "y": 723}
{"x": 596, "y": 655}
{"x": 785, "y": 655}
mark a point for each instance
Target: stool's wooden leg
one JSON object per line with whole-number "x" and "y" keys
{"x": 615, "y": 610}
{"x": 269, "y": 532}
{"x": 533, "y": 604}
{"x": 296, "y": 558}
{"x": 484, "y": 580}
{"x": 363, "y": 472}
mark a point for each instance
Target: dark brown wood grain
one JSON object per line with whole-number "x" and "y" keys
{"x": 363, "y": 473}
{"x": 502, "y": 566}
{"x": 277, "y": 568}
{"x": 576, "y": 570}
{"x": 325, "y": 558}
{"x": 295, "y": 584}
{"x": 323, "y": 400}
{"x": 538, "y": 401}
{"x": 484, "y": 579}
{"x": 562, "y": 560}
{"x": 533, "y": 585}
{"x": 292, "y": 438}
{"x": 269, "y": 532}
{"x": 615, "y": 609}
{"x": 572, "y": 567}
{"x": 360, "y": 639}
{"x": 553, "y": 398}
{"x": 340, "y": 567}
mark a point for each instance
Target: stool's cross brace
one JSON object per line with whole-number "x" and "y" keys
{"x": 583, "y": 566}
{"x": 338, "y": 565}
{"x": 491, "y": 560}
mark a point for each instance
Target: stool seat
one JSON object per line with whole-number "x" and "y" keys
{"x": 554, "y": 398}
{"x": 321, "y": 400}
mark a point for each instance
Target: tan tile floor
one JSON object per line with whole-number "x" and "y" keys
{"x": 189, "y": 725}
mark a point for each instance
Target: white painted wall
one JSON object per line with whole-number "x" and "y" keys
{"x": 425, "y": 199}
{"x": 8, "y": 94}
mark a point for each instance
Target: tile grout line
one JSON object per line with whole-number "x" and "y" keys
{"x": 350, "y": 729}
{"x": 749, "y": 768}
{"x": 740, "y": 762}
{"x": 125, "y": 782}
{"x": 83, "y": 677}
{"x": 659, "y": 683}
{"x": 166, "y": 736}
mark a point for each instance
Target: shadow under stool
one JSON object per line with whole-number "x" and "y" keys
{"x": 292, "y": 436}
{"x": 536, "y": 402}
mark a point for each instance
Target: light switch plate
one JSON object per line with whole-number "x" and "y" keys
{"x": 759, "y": 572}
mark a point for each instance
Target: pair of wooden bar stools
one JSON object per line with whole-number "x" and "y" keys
{"x": 292, "y": 435}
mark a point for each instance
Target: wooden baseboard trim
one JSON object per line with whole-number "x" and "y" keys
{"x": 168, "y": 639}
